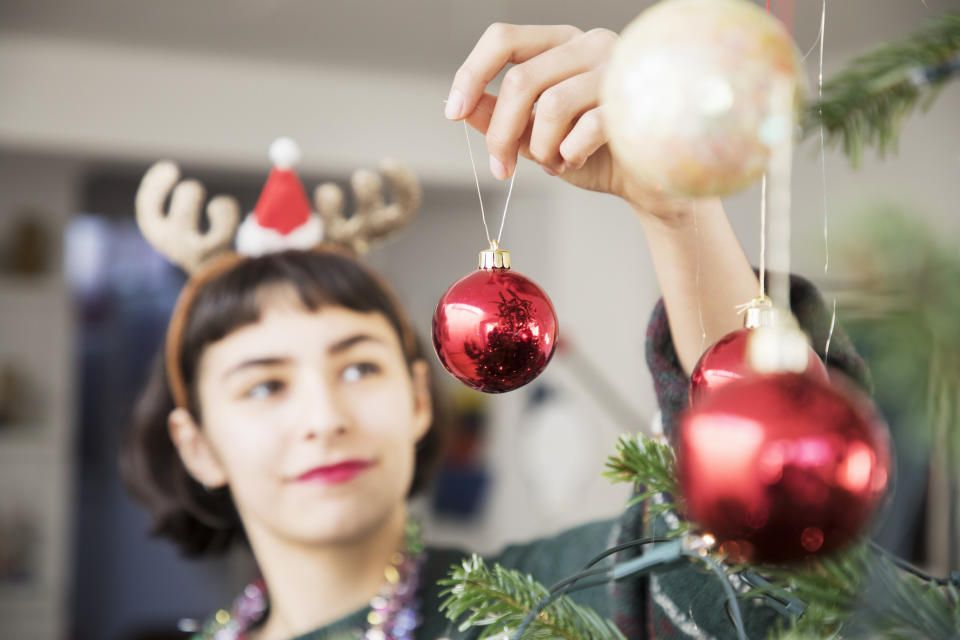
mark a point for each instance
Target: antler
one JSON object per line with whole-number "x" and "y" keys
{"x": 373, "y": 219}
{"x": 176, "y": 235}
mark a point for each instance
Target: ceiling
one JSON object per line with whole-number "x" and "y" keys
{"x": 405, "y": 35}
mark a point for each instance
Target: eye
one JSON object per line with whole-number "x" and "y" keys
{"x": 265, "y": 389}
{"x": 358, "y": 371}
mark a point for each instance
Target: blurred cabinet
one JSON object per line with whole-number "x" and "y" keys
{"x": 36, "y": 399}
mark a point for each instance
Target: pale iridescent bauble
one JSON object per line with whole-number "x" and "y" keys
{"x": 697, "y": 92}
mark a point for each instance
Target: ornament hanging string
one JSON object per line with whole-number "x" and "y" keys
{"x": 779, "y": 168}
{"x": 696, "y": 238}
{"x": 818, "y": 39}
{"x": 781, "y": 143}
{"x": 823, "y": 181}
{"x": 476, "y": 177}
{"x": 742, "y": 308}
{"x": 763, "y": 237}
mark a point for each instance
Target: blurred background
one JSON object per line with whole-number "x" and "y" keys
{"x": 93, "y": 91}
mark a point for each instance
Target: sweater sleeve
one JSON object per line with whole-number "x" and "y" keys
{"x": 686, "y": 603}
{"x": 671, "y": 382}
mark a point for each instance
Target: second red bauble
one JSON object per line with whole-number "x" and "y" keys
{"x": 495, "y": 330}
{"x": 778, "y": 467}
{"x": 727, "y": 361}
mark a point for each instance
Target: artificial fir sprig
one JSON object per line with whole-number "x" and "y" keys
{"x": 866, "y": 104}
{"x": 499, "y": 599}
{"x": 651, "y": 467}
{"x": 858, "y": 593}
{"x": 861, "y": 595}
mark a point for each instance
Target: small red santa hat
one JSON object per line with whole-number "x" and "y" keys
{"x": 282, "y": 218}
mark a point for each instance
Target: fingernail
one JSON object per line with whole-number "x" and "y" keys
{"x": 497, "y": 168}
{"x": 549, "y": 171}
{"x": 454, "y": 105}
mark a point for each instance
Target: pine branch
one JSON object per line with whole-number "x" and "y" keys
{"x": 862, "y": 595}
{"x": 498, "y": 599}
{"x": 651, "y": 467}
{"x": 647, "y": 464}
{"x": 867, "y": 103}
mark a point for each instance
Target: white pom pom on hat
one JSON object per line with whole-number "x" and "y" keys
{"x": 284, "y": 153}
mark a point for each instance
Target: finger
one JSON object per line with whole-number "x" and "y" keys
{"x": 584, "y": 139}
{"x": 499, "y": 45}
{"x": 480, "y": 120}
{"x": 558, "y": 109}
{"x": 523, "y": 84}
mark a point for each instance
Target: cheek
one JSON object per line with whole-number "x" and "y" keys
{"x": 386, "y": 415}
{"x": 386, "y": 420}
{"x": 247, "y": 449}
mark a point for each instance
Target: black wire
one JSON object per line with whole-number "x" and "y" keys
{"x": 727, "y": 588}
{"x": 953, "y": 579}
{"x": 942, "y": 71}
{"x": 566, "y": 586}
{"x": 555, "y": 595}
{"x": 626, "y": 545}
{"x": 577, "y": 577}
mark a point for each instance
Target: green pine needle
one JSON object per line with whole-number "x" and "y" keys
{"x": 498, "y": 600}
{"x": 860, "y": 595}
{"x": 868, "y": 102}
{"x": 651, "y": 467}
{"x": 857, "y": 594}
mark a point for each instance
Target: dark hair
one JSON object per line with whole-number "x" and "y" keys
{"x": 203, "y": 521}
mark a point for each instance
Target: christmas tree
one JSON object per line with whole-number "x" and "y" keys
{"x": 861, "y": 591}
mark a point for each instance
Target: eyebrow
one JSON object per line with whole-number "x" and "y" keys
{"x": 334, "y": 349}
{"x": 255, "y": 362}
{"x": 347, "y": 343}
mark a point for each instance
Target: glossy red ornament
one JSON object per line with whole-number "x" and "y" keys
{"x": 727, "y": 361}
{"x": 778, "y": 467}
{"x": 495, "y": 329}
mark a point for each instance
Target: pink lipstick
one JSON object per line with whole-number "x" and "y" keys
{"x": 336, "y": 473}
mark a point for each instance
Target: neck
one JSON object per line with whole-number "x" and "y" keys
{"x": 312, "y": 586}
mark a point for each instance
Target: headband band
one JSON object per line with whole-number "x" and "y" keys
{"x": 178, "y": 321}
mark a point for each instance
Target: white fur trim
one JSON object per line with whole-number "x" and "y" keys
{"x": 254, "y": 240}
{"x": 284, "y": 153}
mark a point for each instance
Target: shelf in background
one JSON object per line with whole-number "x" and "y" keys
{"x": 28, "y": 443}
{"x": 30, "y": 291}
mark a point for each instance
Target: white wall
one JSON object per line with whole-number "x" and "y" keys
{"x": 108, "y": 102}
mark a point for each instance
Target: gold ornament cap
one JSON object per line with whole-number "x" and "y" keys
{"x": 760, "y": 312}
{"x": 494, "y": 257}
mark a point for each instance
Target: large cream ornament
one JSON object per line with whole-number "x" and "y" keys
{"x": 698, "y": 92}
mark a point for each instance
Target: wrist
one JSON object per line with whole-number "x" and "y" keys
{"x": 675, "y": 219}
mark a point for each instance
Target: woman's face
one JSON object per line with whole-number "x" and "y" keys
{"x": 310, "y": 418}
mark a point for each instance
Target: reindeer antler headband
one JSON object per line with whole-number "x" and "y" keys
{"x": 280, "y": 220}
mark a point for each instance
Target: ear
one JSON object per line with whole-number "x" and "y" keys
{"x": 422, "y": 400}
{"x": 195, "y": 451}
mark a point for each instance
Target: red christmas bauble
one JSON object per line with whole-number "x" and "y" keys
{"x": 495, "y": 330}
{"x": 727, "y": 360}
{"x": 779, "y": 467}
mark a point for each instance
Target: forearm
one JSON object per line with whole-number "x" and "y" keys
{"x": 703, "y": 275}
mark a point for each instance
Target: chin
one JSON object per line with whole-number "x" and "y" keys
{"x": 341, "y": 520}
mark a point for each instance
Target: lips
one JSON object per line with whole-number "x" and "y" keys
{"x": 335, "y": 473}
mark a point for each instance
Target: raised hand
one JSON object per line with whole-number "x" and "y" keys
{"x": 548, "y": 108}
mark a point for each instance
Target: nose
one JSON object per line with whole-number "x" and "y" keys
{"x": 321, "y": 410}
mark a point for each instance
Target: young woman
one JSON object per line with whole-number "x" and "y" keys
{"x": 293, "y": 409}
